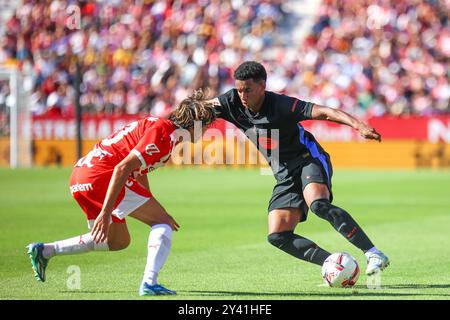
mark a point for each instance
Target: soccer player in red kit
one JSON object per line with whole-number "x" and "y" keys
{"x": 110, "y": 183}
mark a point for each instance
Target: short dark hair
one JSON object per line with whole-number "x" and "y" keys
{"x": 250, "y": 70}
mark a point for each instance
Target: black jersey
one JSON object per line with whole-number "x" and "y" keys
{"x": 291, "y": 141}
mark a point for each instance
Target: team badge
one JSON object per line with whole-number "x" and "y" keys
{"x": 150, "y": 149}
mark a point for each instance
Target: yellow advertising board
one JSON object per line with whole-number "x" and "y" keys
{"x": 402, "y": 154}
{"x": 4, "y": 151}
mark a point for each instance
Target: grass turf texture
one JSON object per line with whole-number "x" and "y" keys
{"x": 221, "y": 251}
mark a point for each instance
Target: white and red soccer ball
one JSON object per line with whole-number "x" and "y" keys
{"x": 340, "y": 270}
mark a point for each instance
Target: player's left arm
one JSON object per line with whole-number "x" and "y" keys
{"x": 324, "y": 113}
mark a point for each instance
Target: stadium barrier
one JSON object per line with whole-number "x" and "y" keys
{"x": 408, "y": 142}
{"x": 386, "y": 155}
{"x": 4, "y": 151}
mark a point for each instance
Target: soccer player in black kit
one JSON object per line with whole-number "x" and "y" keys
{"x": 303, "y": 169}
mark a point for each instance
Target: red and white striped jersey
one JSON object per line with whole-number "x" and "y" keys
{"x": 150, "y": 139}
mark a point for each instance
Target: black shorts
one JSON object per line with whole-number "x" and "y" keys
{"x": 288, "y": 192}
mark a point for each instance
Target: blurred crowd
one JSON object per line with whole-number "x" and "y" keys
{"x": 385, "y": 56}
{"x": 365, "y": 57}
{"x": 136, "y": 56}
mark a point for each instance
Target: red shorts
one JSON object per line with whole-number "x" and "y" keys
{"x": 89, "y": 187}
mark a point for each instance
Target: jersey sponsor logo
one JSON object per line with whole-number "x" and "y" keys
{"x": 267, "y": 143}
{"x": 150, "y": 149}
{"x": 81, "y": 187}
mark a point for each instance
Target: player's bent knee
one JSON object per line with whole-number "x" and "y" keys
{"x": 117, "y": 245}
{"x": 322, "y": 208}
{"x": 325, "y": 210}
{"x": 278, "y": 239}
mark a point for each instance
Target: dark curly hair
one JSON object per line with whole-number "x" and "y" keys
{"x": 250, "y": 70}
{"x": 196, "y": 107}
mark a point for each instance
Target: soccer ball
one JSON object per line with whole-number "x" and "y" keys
{"x": 340, "y": 270}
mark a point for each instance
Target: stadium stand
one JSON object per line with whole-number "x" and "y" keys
{"x": 138, "y": 56}
{"x": 384, "y": 56}
{"x": 366, "y": 57}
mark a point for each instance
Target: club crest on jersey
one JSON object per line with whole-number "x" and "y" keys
{"x": 150, "y": 149}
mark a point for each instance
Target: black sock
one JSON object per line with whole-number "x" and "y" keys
{"x": 343, "y": 222}
{"x": 299, "y": 247}
{"x": 354, "y": 234}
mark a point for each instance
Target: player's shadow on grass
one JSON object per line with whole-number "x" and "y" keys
{"x": 372, "y": 293}
{"x": 416, "y": 286}
{"x": 96, "y": 291}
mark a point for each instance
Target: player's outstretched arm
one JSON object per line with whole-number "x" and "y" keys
{"x": 325, "y": 113}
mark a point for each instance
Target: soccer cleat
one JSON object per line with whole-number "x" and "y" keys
{"x": 376, "y": 262}
{"x": 155, "y": 290}
{"x": 38, "y": 262}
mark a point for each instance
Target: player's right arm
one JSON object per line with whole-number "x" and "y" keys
{"x": 142, "y": 179}
{"x": 118, "y": 179}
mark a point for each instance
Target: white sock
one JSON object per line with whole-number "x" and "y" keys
{"x": 79, "y": 244}
{"x": 159, "y": 243}
{"x": 371, "y": 250}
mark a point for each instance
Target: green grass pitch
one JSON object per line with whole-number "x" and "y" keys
{"x": 221, "y": 251}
